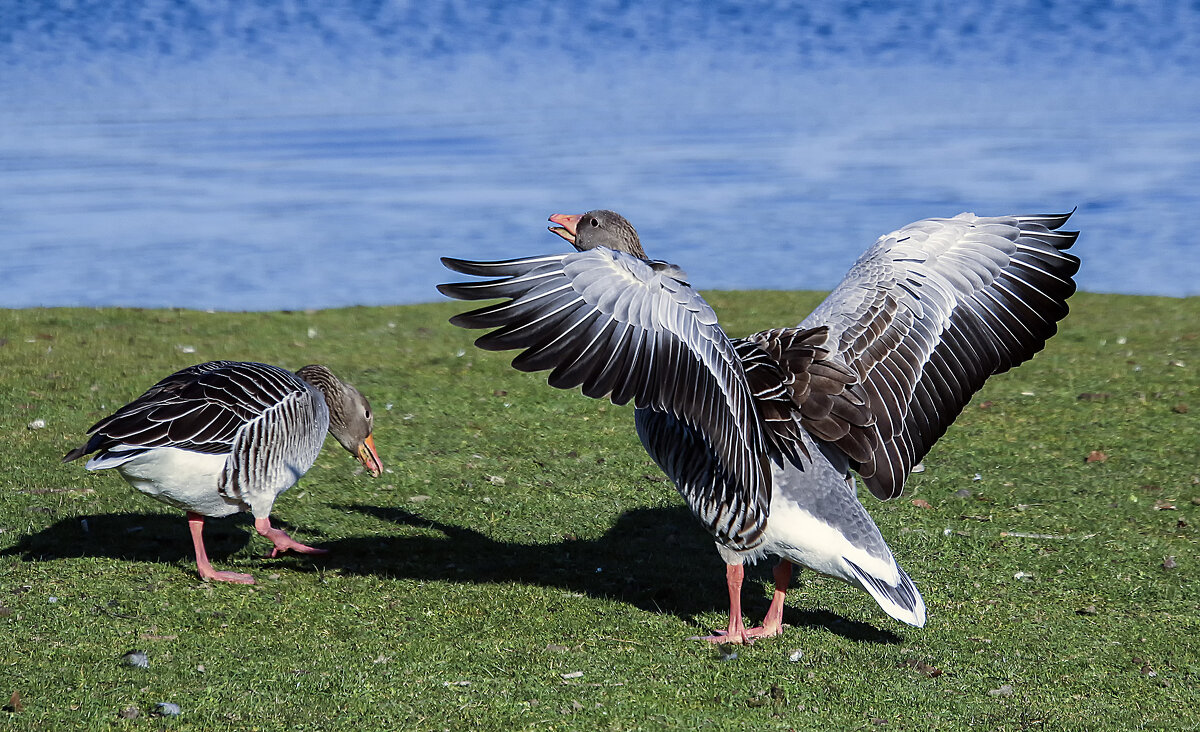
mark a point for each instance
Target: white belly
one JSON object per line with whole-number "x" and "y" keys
{"x": 181, "y": 478}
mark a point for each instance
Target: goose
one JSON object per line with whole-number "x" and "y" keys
{"x": 228, "y": 436}
{"x": 762, "y": 435}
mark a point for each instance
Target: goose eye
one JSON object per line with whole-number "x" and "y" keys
{"x": 594, "y": 222}
{"x": 368, "y": 414}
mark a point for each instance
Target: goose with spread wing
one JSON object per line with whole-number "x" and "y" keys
{"x": 228, "y": 436}
{"x": 762, "y": 435}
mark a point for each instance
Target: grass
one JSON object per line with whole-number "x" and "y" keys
{"x": 521, "y": 535}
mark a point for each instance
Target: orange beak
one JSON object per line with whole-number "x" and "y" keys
{"x": 369, "y": 458}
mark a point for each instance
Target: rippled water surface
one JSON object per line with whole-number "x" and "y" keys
{"x": 254, "y": 156}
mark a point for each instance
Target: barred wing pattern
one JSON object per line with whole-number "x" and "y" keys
{"x": 799, "y": 385}
{"x": 199, "y": 408}
{"x": 627, "y": 329}
{"x": 929, "y": 312}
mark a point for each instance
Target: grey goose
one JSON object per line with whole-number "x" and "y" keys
{"x": 762, "y": 435}
{"x": 228, "y": 436}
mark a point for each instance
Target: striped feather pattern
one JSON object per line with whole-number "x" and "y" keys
{"x": 930, "y": 312}
{"x": 875, "y": 375}
{"x": 200, "y": 408}
{"x": 625, "y": 328}
{"x": 274, "y": 450}
{"x": 683, "y": 453}
{"x": 800, "y": 385}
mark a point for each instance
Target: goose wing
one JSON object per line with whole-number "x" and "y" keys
{"x": 628, "y": 329}
{"x": 201, "y": 408}
{"x": 800, "y": 385}
{"x": 929, "y": 312}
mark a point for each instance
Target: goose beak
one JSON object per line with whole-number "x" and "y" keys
{"x": 567, "y": 225}
{"x": 369, "y": 458}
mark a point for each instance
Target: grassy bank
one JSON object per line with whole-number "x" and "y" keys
{"x": 522, "y": 564}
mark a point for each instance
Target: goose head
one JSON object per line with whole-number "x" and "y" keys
{"x": 599, "y": 228}
{"x": 350, "y": 418}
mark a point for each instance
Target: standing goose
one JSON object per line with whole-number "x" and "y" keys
{"x": 227, "y": 436}
{"x": 761, "y": 434}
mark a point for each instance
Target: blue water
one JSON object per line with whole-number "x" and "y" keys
{"x": 239, "y": 155}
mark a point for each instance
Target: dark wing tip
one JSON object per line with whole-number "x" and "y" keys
{"x": 472, "y": 290}
{"x": 1051, "y": 221}
{"x": 75, "y": 454}
{"x": 450, "y": 289}
{"x": 1070, "y": 238}
{"x": 464, "y": 266}
{"x": 463, "y": 290}
{"x": 461, "y": 320}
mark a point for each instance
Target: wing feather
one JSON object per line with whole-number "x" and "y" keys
{"x": 926, "y": 315}
{"x": 624, "y": 328}
{"x": 201, "y": 408}
{"x": 800, "y": 385}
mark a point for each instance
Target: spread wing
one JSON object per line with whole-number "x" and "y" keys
{"x": 627, "y": 329}
{"x": 929, "y": 312}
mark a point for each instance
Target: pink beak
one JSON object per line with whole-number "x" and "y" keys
{"x": 567, "y": 225}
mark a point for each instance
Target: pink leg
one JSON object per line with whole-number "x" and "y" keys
{"x": 281, "y": 540}
{"x": 736, "y": 631}
{"x": 196, "y": 526}
{"x": 773, "y": 622}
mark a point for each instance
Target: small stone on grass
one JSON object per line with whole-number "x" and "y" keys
{"x": 137, "y": 659}
{"x": 166, "y": 709}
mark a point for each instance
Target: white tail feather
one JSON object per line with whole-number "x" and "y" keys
{"x": 900, "y": 600}
{"x": 114, "y": 457}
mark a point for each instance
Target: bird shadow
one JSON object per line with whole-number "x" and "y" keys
{"x": 137, "y": 537}
{"x": 654, "y": 559}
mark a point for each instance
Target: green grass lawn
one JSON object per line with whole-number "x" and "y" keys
{"x": 523, "y": 565}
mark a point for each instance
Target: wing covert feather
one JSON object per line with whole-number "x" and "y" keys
{"x": 274, "y": 449}
{"x": 200, "y": 408}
